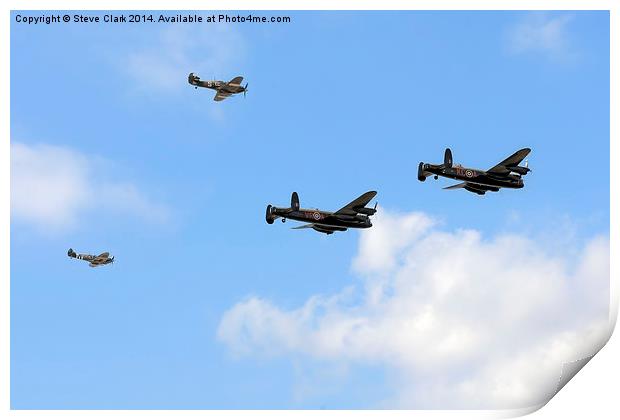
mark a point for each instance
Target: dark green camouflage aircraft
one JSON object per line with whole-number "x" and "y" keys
{"x": 223, "y": 89}
{"x": 93, "y": 260}
{"x": 506, "y": 174}
{"x": 353, "y": 215}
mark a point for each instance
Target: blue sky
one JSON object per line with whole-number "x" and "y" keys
{"x": 176, "y": 185}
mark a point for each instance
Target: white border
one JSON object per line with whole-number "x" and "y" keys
{"x": 593, "y": 391}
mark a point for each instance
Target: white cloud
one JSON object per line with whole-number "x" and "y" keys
{"x": 208, "y": 50}
{"x": 461, "y": 321}
{"x": 542, "y": 33}
{"x": 53, "y": 188}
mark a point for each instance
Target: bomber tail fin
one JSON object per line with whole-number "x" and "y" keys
{"x": 295, "y": 201}
{"x": 447, "y": 158}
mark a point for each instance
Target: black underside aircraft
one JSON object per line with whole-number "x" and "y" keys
{"x": 353, "y": 215}
{"x": 506, "y": 174}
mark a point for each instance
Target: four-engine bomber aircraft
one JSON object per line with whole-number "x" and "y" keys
{"x": 506, "y": 174}
{"x": 353, "y": 215}
{"x": 93, "y": 260}
{"x": 223, "y": 89}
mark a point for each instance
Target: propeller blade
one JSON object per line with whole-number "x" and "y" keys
{"x": 245, "y": 89}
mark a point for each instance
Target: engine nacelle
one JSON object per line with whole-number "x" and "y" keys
{"x": 330, "y": 230}
{"x": 362, "y": 218}
{"x": 521, "y": 170}
{"x": 366, "y": 210}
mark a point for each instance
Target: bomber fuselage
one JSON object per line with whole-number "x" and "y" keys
{"x": 474, "y": 176}
{"x": 320, "y": 217}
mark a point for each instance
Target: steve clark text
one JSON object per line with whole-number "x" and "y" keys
{"x": 43, "y": 19}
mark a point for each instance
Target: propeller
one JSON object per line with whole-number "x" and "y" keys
{"x": 245, "y": 89}
{"x": 376, "y": 203}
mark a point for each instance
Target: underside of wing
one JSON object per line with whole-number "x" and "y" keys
{"x": 220, "y": 96}
{"x": 475, "y": 188}
{"x": 360, "y": 201}
{"x": 308, "y": 226}
{"x": 328, "y": 229}
{"x": 454, "y": 187}
{"x": 94, "y": 264}
{"x": 321, "y": 228}
{"x": 512, "y": 160}
{"x": 478, "y": 189}
{"x": 236, "y": 81}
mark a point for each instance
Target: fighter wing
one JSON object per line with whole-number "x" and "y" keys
{"x": 220, "y": 96}
{"x": 236, "y": 81}
{"x": 360, "y": 201}
{"x": 103, "y": 255}
{"x": 512, "y": 160}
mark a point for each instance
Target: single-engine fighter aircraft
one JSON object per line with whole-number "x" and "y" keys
{"x": 506, "y": 174}
{"x": 353, "y": 215}
{"x": 93, "y": 260}
{"x": 223, "y": 89}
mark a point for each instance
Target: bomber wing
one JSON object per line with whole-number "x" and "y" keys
{"x": 475, "y": 188}
{"x": 308, "y": 226}
{"x": 512, "y": 160}
{"x": 360, "y": 201}
{"x": 236, "y": 81}
{"x": 454, "y": 187}
{"x": 320, "y": 228}
{"x": 220, "y": 96}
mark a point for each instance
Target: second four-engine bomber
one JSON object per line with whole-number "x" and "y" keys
{"x": 506, "y": 174}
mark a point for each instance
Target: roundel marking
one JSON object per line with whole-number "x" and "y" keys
{"x": 469, "y": 173}
{"x": 316, "y": 215}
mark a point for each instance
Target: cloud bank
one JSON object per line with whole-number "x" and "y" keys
{"x": 53, "y": 188}
{"x": 456, "y": 319}
{"x": 541, "y": 33}
{"x": 210, "y": 51}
